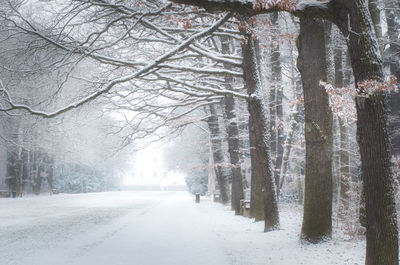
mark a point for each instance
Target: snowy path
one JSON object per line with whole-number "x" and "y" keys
{"x": 135, "y": 228}
{"x": 154, "y": 228}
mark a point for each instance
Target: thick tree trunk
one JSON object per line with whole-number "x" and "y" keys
{"x": 372, "y": 136}
{"x": 382, "y": 234}
{"x": 362, "y": 214}
{"x": 317, "y": 219}
{"x": 257, "y": 178}
{"x": 256, "y": 185}
{"x": 234, "y": 153}
{"x": 354, "y": 20}
{"x": 237, "y": 192}
{"x": 259, "y": 131}
{"x": 271, "y": 215}
{"x": 213, "y": 126}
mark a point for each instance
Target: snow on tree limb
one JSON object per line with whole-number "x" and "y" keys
{"x": 304, "y": 8}
{"x": 213, "y": 71}
{"x": 153, "y": 64}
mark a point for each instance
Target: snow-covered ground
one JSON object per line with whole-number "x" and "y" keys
{"x": 143, "y": 228}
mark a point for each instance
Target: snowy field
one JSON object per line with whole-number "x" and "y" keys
{"x": 153, "y": 228}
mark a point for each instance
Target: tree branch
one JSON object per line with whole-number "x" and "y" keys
{"x": 305, "y": 8}
{"x": 153, "y": 64}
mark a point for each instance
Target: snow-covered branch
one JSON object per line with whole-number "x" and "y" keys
{"x": 151, "y": 65}
{"x": 304, "y": 8}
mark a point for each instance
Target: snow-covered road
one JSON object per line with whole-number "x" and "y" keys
{"x": 116, "y": 228}
{"x": 154, "y": 228}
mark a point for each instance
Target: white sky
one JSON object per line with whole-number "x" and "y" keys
{"x": 148, "y": 169}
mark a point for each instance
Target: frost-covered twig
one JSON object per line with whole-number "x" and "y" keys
{"x": 160, "y": 59}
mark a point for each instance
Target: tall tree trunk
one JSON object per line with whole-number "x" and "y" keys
{"x": 354, "y": 21}
{"x": 259, "y": 130}
{"x": 317, "y": 218}
{"x": 372, "y": 136}
{"x": 211, "y": 185}
{"x": 276, "y": 108}
{"x": 296, "y": 117}
{"x": 294, "y": 127}
{"x": 344, "y": 170}
{"x": 332, "y": 57}
{"x": 12, "y": 170}
{"x": 37, "y": 178}
{"x": 237, "y": 192}
{"x": 18, "y": 188}
{"x": 50, "y": 177}
{"x": 218, "y": 156}
{"x": 257, "y": 196}
{"x": 382, "y": 231}
{"x": 256, "y": 185}
{"x": 20, "y": 165}
{"x": 288, "y": 145}
{"x": 244, "y": 144}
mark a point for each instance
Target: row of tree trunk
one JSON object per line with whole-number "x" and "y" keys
{"x": 26, "y": 171}
{"x": 352, "y": 18}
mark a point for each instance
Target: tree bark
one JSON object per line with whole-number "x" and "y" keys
{"x": 376, "y": 19}
{"x": 11, "y": 171}
{"x": 354, "y": 20}
{"x": 317, "y": 218}
{"x": 288, "y": 145}
{"x": 276, "y": 108}
{"x": 218, "y": 156}
{"x": 237, "y": 192}
{"x": 344, "y": 169}
{"x": 256, "y": 185}
{"x": 333, "y": 55}
{"x": 36, "y": 178}
{"x": 259, "y": 130}
{"x": 19, "y": 183}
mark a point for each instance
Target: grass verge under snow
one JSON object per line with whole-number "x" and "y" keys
{"x": 246, "y": 244}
